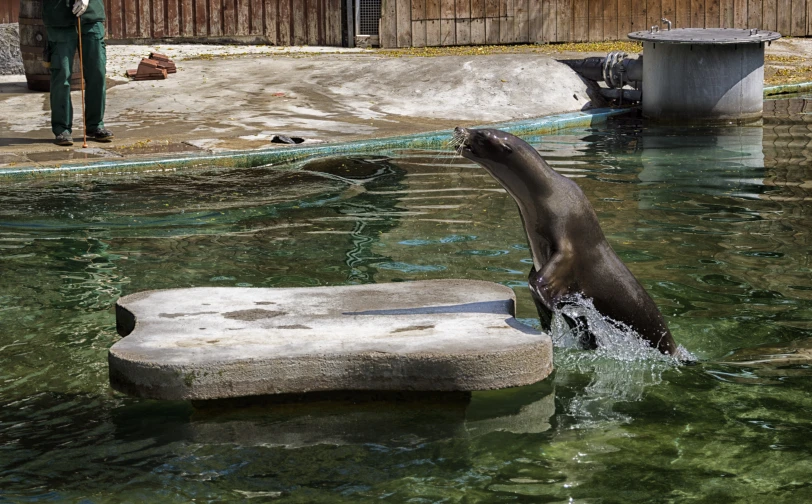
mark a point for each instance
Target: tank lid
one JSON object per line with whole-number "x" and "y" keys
{"x": 706, "y": 36}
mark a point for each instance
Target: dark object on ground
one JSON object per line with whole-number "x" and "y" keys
{"x": 286, "y": 139}
{"x": 156, "y": 67}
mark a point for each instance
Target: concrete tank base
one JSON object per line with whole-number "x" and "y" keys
{"x": 218, "y": 343}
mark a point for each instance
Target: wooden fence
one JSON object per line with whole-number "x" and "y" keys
{"x": 279, "y": 22}
{"x": 406, "y": 23}
{"x": 417, "y": 23}
{"x": 9, "y": 11}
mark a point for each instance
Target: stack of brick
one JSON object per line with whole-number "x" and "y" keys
{"x": 163, "y": 62}
{"x": 157, "y": 66}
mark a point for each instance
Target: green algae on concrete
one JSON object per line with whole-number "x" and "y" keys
{"x": 282, "y": 155}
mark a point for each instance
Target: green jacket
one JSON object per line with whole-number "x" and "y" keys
{"x": 57, "y": 13}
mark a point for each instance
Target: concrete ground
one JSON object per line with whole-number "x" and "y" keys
{"x": 239, "y": 97}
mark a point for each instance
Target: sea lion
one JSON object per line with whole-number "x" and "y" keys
{"x": 570, "y": 252}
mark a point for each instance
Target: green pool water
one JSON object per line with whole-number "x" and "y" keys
{"x": 715, "y": 222}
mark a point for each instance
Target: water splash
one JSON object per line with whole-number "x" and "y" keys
{"x": 620, "y": 369}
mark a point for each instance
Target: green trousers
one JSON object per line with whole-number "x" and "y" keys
{"x": 62, "y": 44}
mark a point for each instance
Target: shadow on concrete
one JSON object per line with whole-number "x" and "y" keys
{"x": 4, "y": 142}
{"x": 18, "y": 87}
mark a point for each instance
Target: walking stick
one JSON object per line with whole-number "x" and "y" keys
{"x": 82, "y": 79}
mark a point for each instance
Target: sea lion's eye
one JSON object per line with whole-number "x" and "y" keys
{"x": 507, "y": 149}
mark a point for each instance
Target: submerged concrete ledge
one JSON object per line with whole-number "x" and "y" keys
{"x": 217, "y": 343}
{"x": 282, "y": 155}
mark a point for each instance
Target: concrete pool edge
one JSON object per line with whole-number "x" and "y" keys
{"x": 281, "y": 155}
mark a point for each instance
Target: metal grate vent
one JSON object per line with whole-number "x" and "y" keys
{"x": 368, "y": 15}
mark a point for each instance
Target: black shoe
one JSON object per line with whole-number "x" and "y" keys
{"x": 64, "y": 139}
{"x": 101, "y": 135}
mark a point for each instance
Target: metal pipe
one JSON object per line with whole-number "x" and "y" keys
{"x": 616, "y": 70}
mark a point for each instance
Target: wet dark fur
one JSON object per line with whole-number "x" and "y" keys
{"x": 570, "y": 253}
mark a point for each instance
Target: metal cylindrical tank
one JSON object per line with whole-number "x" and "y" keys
{"x": 701, "y": 75}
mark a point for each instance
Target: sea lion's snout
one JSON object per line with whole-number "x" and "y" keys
{"x": 462, "y": 139}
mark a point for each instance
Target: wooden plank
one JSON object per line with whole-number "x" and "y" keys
{"x": 668, "y": 10}
{"x": 187, "y": 20}
{"x": 336, "y": 14}
{"x": 463, "y": 27}
{"x": 492, "y": 30}
{"x": 536, "y": 18}
{"x": 506, "y": 24}
{"x": 419, "y": 23}
{"x": 563, "y": 21}
{"x": 256, "y": 18}
{"x": 697, "y": 13}
{"x": 433, "y": 11}
{"x": 740, "y": 13}
{"x": 419, "y": 35}
{"x": 712, "y": 14}
{"x": 580, "y": 20}
{"x": 682, "y": 16}
{"x": 595, "y": 20}
{"x": 754, "y": 13}
{"x": 448, "y": 32}
{"x": 433, "y": 38}
{"x": 654, "y": 13}
{"x": 172, "y": 22}
{"x": 312, "y": 22}
{"x": 130, "y": 28}
{"x": 404, "y": 22}
{"x": 285, "y": 22}
{"x": 624, "y": 19}
{"x": 115, "y": 18}
{"x": 462, "y": 9}
{"x": 491, "y": 10}
{"x": 418, "y": 10}
{"x": 610, "y": 20}
{"x": 144, "y": 17}
{"x": 808, "y": 23}
{"x": 215, "y": 19}
{"x": 769, "y": 20}
{"x": 521, "y": 21}
{"x": 448, "y": 9}
{"x": 477, "y": 9}
{"x": 798, "y": 18}
{"x": 727, "y": 15}
{"x": 478, "y": 31}
{"x": 299, "y": 26}
{"x": 229, "y": 17}
{"x": 243, "y": 14}
{"x": 270, "y": 12}
{"x": 783, "y": 17}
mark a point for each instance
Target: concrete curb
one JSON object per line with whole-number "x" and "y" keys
{"x": 800, "y": 87}
{"x": 281, "y": 155}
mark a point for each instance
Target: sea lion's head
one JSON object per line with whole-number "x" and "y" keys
{"x": 507, "y": 158}
{"x": 484, "y": 146}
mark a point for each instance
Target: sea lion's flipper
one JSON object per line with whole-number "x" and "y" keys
{"x": 555, "y": 280}
{"x": 544, "y": 310}
{"x": 548, "y": 295}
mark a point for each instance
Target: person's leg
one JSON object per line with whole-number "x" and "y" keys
{"x": 62, "y": 43}
{"x": 94, "y": 54}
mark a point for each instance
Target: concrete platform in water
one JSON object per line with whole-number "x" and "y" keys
{"x": 215, "y": 343}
